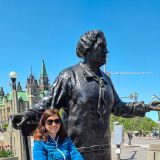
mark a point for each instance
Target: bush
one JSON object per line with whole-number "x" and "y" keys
{"x": 6, "y": 151}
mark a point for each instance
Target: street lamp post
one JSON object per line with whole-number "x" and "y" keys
{"x": 23, "y": 139}
{"x": 13, "y": 77}
{"x": 15, "y": 109}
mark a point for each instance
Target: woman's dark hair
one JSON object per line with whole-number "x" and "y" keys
{"x": 41, "y": 132}
{"x": 87, "y": 41}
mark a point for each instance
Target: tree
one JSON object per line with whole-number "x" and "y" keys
{"x": 134, "y": 124}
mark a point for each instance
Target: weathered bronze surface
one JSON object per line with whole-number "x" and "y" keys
{"x": 88, "y": 97}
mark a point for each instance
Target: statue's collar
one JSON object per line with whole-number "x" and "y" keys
{"x": 88, "y": 73}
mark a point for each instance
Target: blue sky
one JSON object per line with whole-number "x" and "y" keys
{"x": 34, "y": 30}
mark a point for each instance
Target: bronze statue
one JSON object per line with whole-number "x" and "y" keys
{"x": 88, "y": 97}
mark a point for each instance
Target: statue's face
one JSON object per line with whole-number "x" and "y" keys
{"x": 98, "y": 54}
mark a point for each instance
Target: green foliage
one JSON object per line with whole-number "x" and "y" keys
{"x": 5, "y": 151}
{"x": 5, "y": 126}
{"x": 134, "y": 124}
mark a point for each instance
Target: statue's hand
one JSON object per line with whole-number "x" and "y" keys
{"x": 155, "y": 103}
{"x": 154, "y": 106}
{"x": 139, "y": 108}
{"x": 18, "y": 120}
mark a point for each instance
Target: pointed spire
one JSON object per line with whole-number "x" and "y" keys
{"x": 43, "y": 80}
{"x": 31, "y": 70}
{"x": 1, "y": 91}
{"x": 43, "y": 71}
{"x": 19, "y": 88}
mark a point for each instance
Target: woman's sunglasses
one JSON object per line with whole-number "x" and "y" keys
{"x": 50, "y": 121}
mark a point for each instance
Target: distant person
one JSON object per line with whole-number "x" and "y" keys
{"x": 149, "y": 135}
{"x": 130, "y": 136}
{"x": 51, "y": 140}
{"x": 140, "y": 133}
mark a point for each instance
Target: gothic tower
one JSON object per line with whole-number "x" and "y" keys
{"x": 43, "y": 80}
{"x": 32, "y": 89}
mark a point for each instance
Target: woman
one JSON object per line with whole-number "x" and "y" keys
{"x": 51, "y": 141}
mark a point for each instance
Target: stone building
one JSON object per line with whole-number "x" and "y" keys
{"x": 34, "y": 91}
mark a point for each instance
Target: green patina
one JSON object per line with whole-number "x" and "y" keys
{"x": 22, "y": 95}
{"x": 43, "y": 71}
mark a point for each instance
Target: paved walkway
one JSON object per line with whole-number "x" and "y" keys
{"x": 137, "y": 151}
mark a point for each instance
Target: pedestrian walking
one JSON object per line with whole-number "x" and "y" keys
{"x": 130, "y": 136}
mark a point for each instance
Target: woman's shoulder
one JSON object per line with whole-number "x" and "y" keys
{"x": 39, "y": 144}
{"x": 39, "y": 147}
{"x": 39, "y": 141}
{"x": 44, "y": 144}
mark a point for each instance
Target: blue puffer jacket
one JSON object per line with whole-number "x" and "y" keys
{"x": 53, "y": 150}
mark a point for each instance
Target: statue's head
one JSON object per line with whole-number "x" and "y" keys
{"x": 92, "y": 43}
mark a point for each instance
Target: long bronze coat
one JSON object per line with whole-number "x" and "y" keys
{"x": 89, "y": 100}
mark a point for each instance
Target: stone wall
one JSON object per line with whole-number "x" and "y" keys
{"x": 15, "y": 139}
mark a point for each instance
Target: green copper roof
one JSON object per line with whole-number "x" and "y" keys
{"x": 22, "y": 95}
{"x": 43, "y": 71}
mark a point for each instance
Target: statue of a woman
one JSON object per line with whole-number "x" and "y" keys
{"x": 88, "y": 97}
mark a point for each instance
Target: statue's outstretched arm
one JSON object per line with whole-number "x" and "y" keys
{"x": 32, "y": 115}
{"x": 59, "y": 96}
{"x": 135, "y": 108}
{"x": 131, "y": 109}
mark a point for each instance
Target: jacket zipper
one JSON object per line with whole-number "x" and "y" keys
{"x": 61, "y": 153}
{"x": 58, "y": 149}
